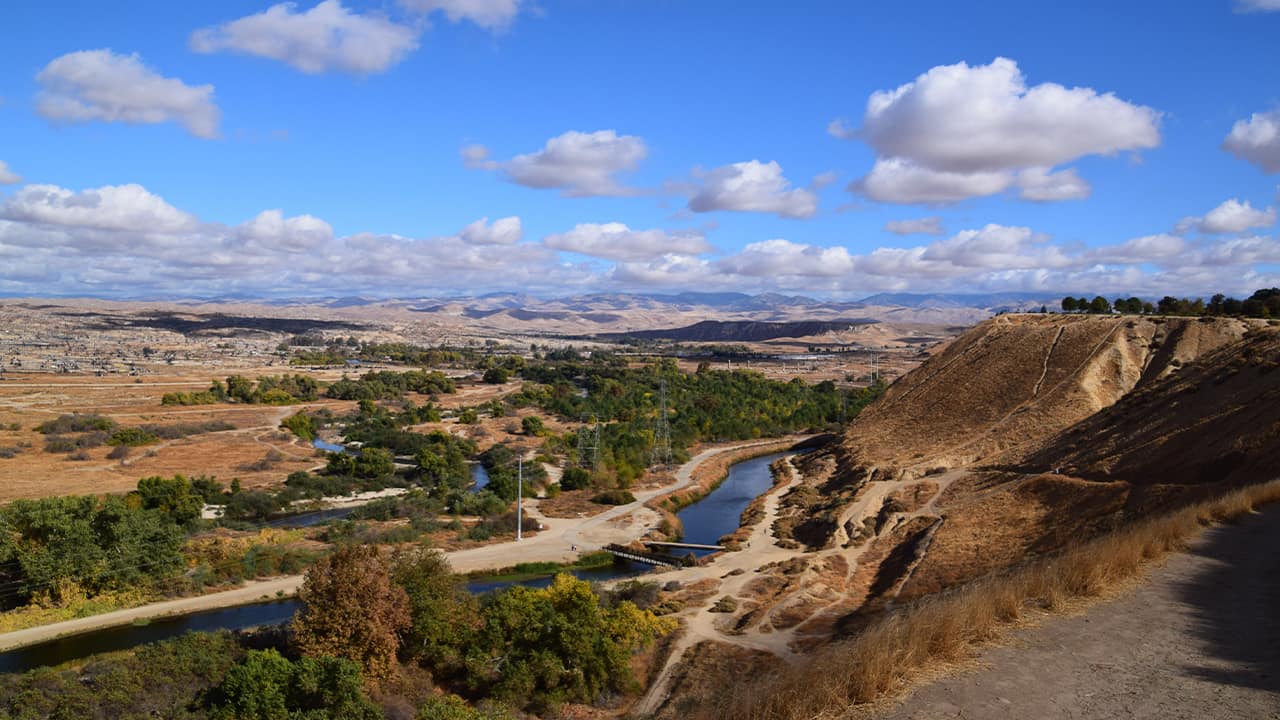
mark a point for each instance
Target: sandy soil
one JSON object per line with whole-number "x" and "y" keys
{"x": 1199, "y": 639}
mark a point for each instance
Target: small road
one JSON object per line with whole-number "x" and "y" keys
{"x": 1198, "y": 638}
{"x": 555, "y": 543}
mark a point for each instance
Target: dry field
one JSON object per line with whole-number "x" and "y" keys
{"x": 28, "y": 399}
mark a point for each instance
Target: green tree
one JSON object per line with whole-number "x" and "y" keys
{"x": 533, "y": 425}
{"x": 497, "y": 375}
{"x": 1099, "y": 306}
{"x": 540, "y": 648}
{"x": 175, "y": 497}
{"x": 352, "y": 609}
{"x": 267, "y": 686}
{"x": 444, "y": 614}
{"x": 375, "y": 463}
{"x": 1069, "y": 304}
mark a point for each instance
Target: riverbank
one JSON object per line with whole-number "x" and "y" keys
{"x": 562, "y": 541}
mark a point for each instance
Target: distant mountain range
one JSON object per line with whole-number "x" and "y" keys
{"x": 741, "y": 330}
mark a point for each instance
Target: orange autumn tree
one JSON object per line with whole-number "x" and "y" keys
{"x": 352, "y": 609}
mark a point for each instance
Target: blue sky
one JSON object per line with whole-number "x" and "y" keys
{"x": 455, "y": 146}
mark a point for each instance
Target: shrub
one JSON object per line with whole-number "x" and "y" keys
{"x": 76, "y": 423}
{"x": 614, "y": 497}
{"x": 132, "y": 437}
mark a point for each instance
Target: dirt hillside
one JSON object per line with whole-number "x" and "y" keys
{"x": 1014, "y": 380}
{"x": 1027, "y": 434}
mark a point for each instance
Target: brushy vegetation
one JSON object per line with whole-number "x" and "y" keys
{"x": 947, "y": 627}
{"x": 705, "y": 406}
{"x": 390, "y": 385}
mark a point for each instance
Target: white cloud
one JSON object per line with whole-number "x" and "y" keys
{"x": 959, "y": 131}
{"x": 1040, "y": 185}
{"x": 997, "y": 247}
{"x": 895, "y": 180}
{"x": 616, "y": 241}
{"x": 578, "y": 164}
{"x": 668, "y": 271}
{"x": 1231, "y": 216}
{"x": 7, "y": 176}
{"x": 272, "y": 231}
{"x": 783, "y": 257}
{"x": 838, "y": 128}
{"x": 753, "y": 186}
{"x": 326, "y": 37}
{"x": 102, "y": 85}
{"x": 1257, "y": 140}
{"x": 112, "y": 207}
{"x": 489, "y": 14}
{"x": 923, "y": 226}
{"x": 503, "y": 231}
{"x": 1146, "y": 249}
{"x": 1248, "y": 6}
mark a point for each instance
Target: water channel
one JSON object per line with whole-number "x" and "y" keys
{"x": 704, "y": 522}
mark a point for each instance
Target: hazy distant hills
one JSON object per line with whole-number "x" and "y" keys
{"x": 594, "y": 314}
{"x": 742, "y": 330}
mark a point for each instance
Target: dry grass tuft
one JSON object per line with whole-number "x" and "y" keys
{"x": 946, "y": 627}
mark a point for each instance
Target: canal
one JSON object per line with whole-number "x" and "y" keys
{"x": 705, "y": 521}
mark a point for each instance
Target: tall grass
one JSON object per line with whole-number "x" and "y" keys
{"x": 946, "y": 627}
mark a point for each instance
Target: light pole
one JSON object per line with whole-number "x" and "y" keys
{"x": 519, "y": 497}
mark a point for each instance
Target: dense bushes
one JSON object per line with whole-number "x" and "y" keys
{"x": 390, "y": 385}
{"x": 57, "y": 547}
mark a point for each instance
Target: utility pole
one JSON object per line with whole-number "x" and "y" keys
{"x": 519, "y": 498}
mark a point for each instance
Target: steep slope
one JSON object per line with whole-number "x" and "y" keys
{"x": 1016, "y": 379}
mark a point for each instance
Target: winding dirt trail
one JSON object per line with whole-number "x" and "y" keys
{"x": 1198, "y": 638}
{"x": 560, "y": 540}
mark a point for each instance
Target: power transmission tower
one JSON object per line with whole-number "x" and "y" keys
{"x": 662, "y": 431}
{"x": 589, "y": 444}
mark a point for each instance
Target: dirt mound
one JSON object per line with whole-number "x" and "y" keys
{"x": 1011, "y": 382}
{"x": 1217, "y": 421}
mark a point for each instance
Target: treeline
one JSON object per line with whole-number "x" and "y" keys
{"x": 708, "y": 405}
{"x": 1263, "y": 303}
{"x": 390, "y": 385}
{"x": 268, "y": 390}
{"x": 339, "y": 352}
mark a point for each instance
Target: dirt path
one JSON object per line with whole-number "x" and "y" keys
{"x": 759, "y": 549}
{"x": 561, "y": 540}
{"x": 1199, "y": 638}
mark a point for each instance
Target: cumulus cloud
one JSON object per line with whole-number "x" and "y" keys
{"x": 1257, "y": 140}
{"x": 503, "y": 231}
{"x": 958, "y": 131}
{"x": 1231, "y": 216}
{"x": 273, "y": 231}
{"x": 895, "y": 180}
{"x": 1145, "y": 249}
{"x": 1040, "y": 185}
{"x": 753, "y": 186}
{"x": 103, "y": 85}
{"x": 923, "y": 226}
{"x": 494, "y": 15}
{"x": 578, "y": 164}
{"x": 326, "y": 37}
{"x": 783, "y": 257}
{"x": 112, "y": 207}
{"x": 7, "y": 176}
{"x": 616, "y": 241}
{"x": 838, "y": 128}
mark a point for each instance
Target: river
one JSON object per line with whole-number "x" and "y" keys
{"x": 705, "y": 522}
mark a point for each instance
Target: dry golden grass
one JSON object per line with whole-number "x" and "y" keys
{"x": 945, "y": 628}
